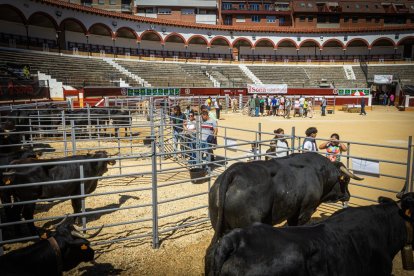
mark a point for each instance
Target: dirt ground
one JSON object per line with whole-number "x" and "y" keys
{"x": 182, "y": 251}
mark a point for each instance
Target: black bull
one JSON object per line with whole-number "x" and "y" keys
{"x": 53, "y": 172}
{"x": 65, "y": 249}
{"x": 355, "y": 241}
{"x": 271, "y": 191}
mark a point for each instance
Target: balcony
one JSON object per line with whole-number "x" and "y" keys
{"x": 126, "y": 7}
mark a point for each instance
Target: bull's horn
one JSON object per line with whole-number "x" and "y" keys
{"x": 77, "y": 232}
{"x": 348, "y": 173}
{"x": 115, "y": 154}
{"x": 9, "y": 173}
{"x": 54, "y": 226}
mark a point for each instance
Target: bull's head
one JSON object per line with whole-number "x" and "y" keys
{"x": 344, "y": 177}
{"x": 74, "y": 245}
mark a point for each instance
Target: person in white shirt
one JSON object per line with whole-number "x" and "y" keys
{"x": 301, "y": 105}
{"x": 309, "y": 143}
{"x": 279, "y": 145}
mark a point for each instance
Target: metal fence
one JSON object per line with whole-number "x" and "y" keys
{"x": 148, "y": 192}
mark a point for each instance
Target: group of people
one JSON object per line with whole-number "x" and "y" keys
{"x": 281, "y": 106}
{"x": 279, "y": 146}
{"x": 185, "y": 133}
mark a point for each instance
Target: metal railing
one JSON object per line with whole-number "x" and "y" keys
{"x": 148, "y": 192}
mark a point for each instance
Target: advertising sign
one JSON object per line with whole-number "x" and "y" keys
{"x": 150, "y": 91}
{"x": 352, "y": 91}
{"x": 383, "y": 79}
{"x": 267, "y": 88}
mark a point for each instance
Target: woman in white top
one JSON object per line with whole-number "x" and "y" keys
{"x": 190, "y": 135}
{"x": 279, "y": 146}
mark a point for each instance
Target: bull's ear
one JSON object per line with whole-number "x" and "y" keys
{"x": 407, "y": 206}
{"x": 8, "y": 179}
{"x": 383, "y": 199}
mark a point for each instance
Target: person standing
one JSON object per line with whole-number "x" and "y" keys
{"x": 334, "y": 147}
{"x": 281, "y": 144}
{"x": 392, "y": 98}
{"x": 288, "y": 105}
{"x": 217, "y": 106}
{"x": 363, "y": 107}
{"x": 310, "y": 108}
{"x": 177, "y": 120}
{"x": 208, "y": 134}
{"x": 191, "y": 132}
{"x": 323, "y": 106}
{"x": 301, "y": 105}
{"x": 256, "y": 106}
{"x": 309, "y": 144}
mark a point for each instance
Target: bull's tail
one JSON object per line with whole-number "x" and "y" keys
{"x": 227, "y": 178}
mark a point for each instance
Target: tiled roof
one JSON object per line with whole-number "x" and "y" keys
{"x": 271, "y": 29}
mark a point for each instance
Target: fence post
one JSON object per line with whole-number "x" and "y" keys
{"x": 409, "y": 187}
{"x": 31, "y": 131}
{"x": 72, "y": 136}
{"x": 225, "y": 148}
{"x": 240, "y": 102}
{"x": 292, "y": 140}
{"x": 89, "y": 120}
{"x": 65, "y": 142}
{"x": 348, "y": 152}
{"x": 82, "y": 187}
{"x": 162, "y": 122}
{"x": 130, "y": 130}
{"x": 118, "y": 131}
{"x": 259, "y": 142}
{"x": 155, "y": 238}
{"x": 38, "y": 122}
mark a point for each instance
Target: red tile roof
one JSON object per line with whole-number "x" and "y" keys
{"x": 270, "y": 29}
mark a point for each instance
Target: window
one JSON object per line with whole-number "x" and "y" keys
{"x": 310, "y": 18}
{"x": 150, "y": 10}
{"x": 228, "y": 20}
{"x": 226, "y": 6}
{"x": 321, "y": 19}
{"x": 240, "y": 18}
{"x": 242, "y": 6}
{"x": 347, "y": 6}
{"x": 112, "y": 2}
{"x": 302, "y": 18}
{"x": 310, "y": 5}
{"x": 357, "y": 6}
{"x": 187, "y": 11}
{"x": 267, "y": 7}
{"x": 271, "y": 19}
{"x": 334, "y": 19}
{"x": 346, "y": 19}
{"x": 368, "y": 19}
{"x": 101, "y": 2}
{"x": 377, "y": 19}
{"x": 366, "y": 6}
{"x": 354, "y": 19}
{"x": 376, "y": 6}
{"x": 254, "y": 7}
{"x": 164, "y": 11}
{"x": 255, "y": 18}
{"x": 302, "y": 5}
{"x": 282, "y": 21}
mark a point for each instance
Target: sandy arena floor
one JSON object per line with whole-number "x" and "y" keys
{"x": 182, "y": 251}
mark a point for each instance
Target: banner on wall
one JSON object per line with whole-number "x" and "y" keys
{"x": 149, "y": 91}
{"x": 382, "y": 79}
{"x": 267, "y": 88}
{"x": 352, "y": 91}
